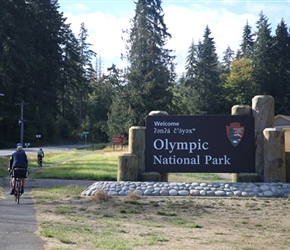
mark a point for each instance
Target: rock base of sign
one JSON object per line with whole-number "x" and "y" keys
{"x": 191, "y": 189}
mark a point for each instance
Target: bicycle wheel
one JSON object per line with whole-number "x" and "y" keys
{"x": 39, "y": 162}
{"x": 17, "y": 190}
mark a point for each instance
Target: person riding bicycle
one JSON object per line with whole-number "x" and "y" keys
{"x": 40, "y": 155}
{"x": 17, "y": 160}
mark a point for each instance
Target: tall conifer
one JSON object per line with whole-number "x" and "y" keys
{"x": 246, "y": 48}
{"x": 207, "y": 76}
{"x": 281, "y": 61}
{"x": 151, "y": 69}
{"x": 262, "y": 57}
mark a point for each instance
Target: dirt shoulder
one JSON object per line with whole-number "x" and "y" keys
{"x": 46, "y": 183}
{"x": 165, "y": 223}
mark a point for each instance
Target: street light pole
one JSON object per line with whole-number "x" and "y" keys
{"x": 21, "y": 122}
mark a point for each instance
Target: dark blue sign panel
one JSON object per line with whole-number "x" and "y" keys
{"x": 212, "y": 144}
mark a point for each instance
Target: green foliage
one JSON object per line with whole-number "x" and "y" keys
{"x": 203, "y": 74}
{"x": 99, "y": 102}
{"x": 246, "y": 50}
{"x": 239, "y": 86}
{"x": 44, "y": 65}
{"x": 184, "y": 99}
{"x": 263, "y": 56}
{"x": 227, "y": 60}
{"x": 4, "y": 166}
{"x": 281, "y": 61}
{"x": 119, "y": 119}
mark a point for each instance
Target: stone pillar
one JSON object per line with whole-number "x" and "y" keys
{"x": 241, "y": 110}
{"x": 287, "y": 152}
{"x": 274, "y": 155}
{"x": 137, "y": 147}
{"x": 163, "y": 176}
{"x": 127, "y": 167}
{"x": 243, "y": 177}
{"x": 287, "y": 163}
{"x": 263, "y": 112}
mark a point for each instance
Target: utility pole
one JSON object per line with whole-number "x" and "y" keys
{"x": 21, "y": 121}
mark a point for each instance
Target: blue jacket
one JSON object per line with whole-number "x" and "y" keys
{"x": 18, "y": 159}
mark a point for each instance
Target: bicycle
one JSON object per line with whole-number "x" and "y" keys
{"x": 18, "y": 174}
{"x": 39, "y": 161}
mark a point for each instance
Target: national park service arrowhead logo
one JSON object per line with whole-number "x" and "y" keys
{"x": 235, "y": 133}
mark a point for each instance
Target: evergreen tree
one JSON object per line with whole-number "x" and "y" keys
{"x": 281, "y": 61}
{"x": 88, "y": 72}
{"x": 41, "y": 63}
{"x": 151, "y": 70}
{"x": 227, "y": 60}
{"x": 207, "y": 79}
{"x": 263, "y": 56}
{"x": 246, "y": 48}
{"x": 190, "y": 66}
{"x": 184, "y": 95}
{"x": 119, "y": 120}
{"x": 225, "y": 70}
{"x": 184, "y": 99}
{"x": 46, "y": 25}
{"x": 98, "y": 104}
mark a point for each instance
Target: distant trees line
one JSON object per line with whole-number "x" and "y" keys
{"x": 59, "y": 78}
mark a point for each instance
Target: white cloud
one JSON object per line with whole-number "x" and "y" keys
{"x": 105, "y": 34}
{"x": 77, "y": 7}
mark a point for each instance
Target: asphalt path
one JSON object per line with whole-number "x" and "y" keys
{"x": 18, "y": 221}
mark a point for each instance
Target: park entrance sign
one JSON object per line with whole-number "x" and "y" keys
{"x": 213, "y": 144}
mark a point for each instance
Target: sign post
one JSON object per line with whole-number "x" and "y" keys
{"x": 38, "y": 136}
{"x": 85, "y": 135}
{"x": 117, "y": 140}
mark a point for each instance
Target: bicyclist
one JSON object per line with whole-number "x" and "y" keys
{"x": 40, "y": 155}
{"x": 17, "y": 159}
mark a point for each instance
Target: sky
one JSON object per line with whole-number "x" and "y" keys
{"x": 186, "y": 22}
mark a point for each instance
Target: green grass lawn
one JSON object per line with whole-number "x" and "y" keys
{"x": 85, "y": 165}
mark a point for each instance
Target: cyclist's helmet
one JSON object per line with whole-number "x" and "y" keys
{"x": 19, "y": 145}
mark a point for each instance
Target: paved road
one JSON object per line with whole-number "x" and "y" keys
{"x": 18, "y": 221}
